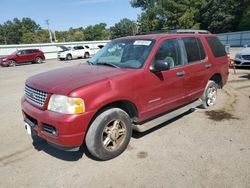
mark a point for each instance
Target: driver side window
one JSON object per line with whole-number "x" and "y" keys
{"x": 170, "y": 52}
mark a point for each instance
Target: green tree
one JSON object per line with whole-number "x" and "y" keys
{"x": 245, "y": 20}
{"x": 78, "y": 36}
{"x": 96, "y": 32}
{"x": 214, "y": 15}
{"x": 124, "y": 27}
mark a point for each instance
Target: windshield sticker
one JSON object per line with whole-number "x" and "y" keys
{"x": 142, "y": 42}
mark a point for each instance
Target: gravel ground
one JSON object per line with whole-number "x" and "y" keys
{"x": 205, "y": 148}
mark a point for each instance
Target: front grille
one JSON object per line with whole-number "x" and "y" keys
{"x": 35, "y": 96}
{"x": 246, "y": 63}
{"x": 246, "y": 57}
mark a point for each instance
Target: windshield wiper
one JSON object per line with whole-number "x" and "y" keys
{"x": 108, "y": 64}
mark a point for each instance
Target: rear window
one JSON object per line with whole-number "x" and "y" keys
{"x": 216, "y": 46}
{"x": 194, "y": 49}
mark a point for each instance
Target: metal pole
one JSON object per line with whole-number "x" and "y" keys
{"x": 50, "y": 36}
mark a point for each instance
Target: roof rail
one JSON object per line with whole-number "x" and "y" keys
{"x": 190, "y": 31}
{"x": 176, "y": 31}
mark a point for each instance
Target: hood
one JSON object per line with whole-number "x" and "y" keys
{"x": 65, "y": 80}
{"x": 2, "y": 57}
{"x": 245, "y": 51}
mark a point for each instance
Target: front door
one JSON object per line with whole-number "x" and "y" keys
{"x": 165, "y": 89}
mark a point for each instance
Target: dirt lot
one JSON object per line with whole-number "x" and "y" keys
{"x": 205, "y": 148}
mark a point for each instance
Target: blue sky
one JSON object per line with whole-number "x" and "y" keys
{"x": 68, "y": 13}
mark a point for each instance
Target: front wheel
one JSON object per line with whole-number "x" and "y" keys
{"x": 210, "y": 95}
{"x": 109, "y": 134}
{"x": 86, "y": 55}
{"x": 12, "y": 63}
{"x": 69, "y": 57}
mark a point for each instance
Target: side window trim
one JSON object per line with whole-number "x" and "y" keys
{"x": 199, "y": 46}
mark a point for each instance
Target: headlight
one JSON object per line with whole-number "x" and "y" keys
{"x": 238, "y": 56}
{"x": 66, "y": 105}
{"x": 4, "y": 59}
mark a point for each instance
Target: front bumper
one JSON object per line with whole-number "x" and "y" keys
{"x": 61, "y": 56}
{"x": 241, "y": 62}
{"x": 4, "y": 63}
{"x": 69, "y": 129}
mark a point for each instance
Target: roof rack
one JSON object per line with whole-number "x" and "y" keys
{"x": 190, "y": 31}
{"x": 177, "y": 31}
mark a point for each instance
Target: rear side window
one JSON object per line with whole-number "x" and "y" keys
{"x": 194, "y": 49}
{"x": 216, "y": 46}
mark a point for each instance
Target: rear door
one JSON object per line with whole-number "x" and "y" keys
{"x": 196, "y": 70}
{"x": 165, "y": 89}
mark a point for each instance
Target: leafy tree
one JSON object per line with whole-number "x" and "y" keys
{"x": 96, "y": 32}
{"x": 124, "y": 27}
{"x": 214, "y": 15}
{"x": 78, "y": 36}
{"x": 245, "y": 20}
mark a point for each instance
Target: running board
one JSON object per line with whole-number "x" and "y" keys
{"x": 153, "y": 123}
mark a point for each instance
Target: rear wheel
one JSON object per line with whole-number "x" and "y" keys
{"x": 86, "y": 55}
{"x": 69, "y": 57}
{"x": 109, "y": 134}
{"x": 210, "y": 95}
{"x": 12, "y": 63}
{"x": 39, "y": 60}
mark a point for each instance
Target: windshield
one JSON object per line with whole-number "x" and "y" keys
{"x": 124, "y": 53}
{"x": 64, "y": 48}
{"x": 14, "y": 53}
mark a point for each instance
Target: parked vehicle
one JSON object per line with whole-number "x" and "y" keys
{"x": 69, "y": 53}
{"x": 23, "y": 56}
{"x": 133, "y": 83}
{"x": 242, "y": 58}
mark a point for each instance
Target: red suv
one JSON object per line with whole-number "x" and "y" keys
{"x": 133, "y": 83}
{"x": 23, "y": 56}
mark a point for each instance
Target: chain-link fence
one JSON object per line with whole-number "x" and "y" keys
{"x": 235, "y": 39}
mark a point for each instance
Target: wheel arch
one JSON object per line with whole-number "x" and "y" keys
{"x": 128, "y": 106}
{"x": 217, "y": 78}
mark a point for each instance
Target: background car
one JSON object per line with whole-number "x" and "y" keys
{"x": 23, "y": 56}
{"x": 242, "y": 58}
{"x": 69, "y": 53}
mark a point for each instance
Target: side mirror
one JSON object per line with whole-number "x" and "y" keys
{"x": 159, "y": 65}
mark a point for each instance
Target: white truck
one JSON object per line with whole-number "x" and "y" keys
{"x": 69, "y": 53}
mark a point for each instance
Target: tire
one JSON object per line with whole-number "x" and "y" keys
{"x": 12, "y": 63}
{"x": 109, "y": 134}
{"x": 69, "y": 57}
{"x": 38, "y": 60}
{"x": 210, "y": 94}
{"x": 86, "y": 55}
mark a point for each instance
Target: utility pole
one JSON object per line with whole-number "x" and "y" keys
{"x": 50, "y": 35}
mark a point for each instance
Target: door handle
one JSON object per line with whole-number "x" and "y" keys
{"x": 181, "y": 73}
{"x": 208, "y": 66}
